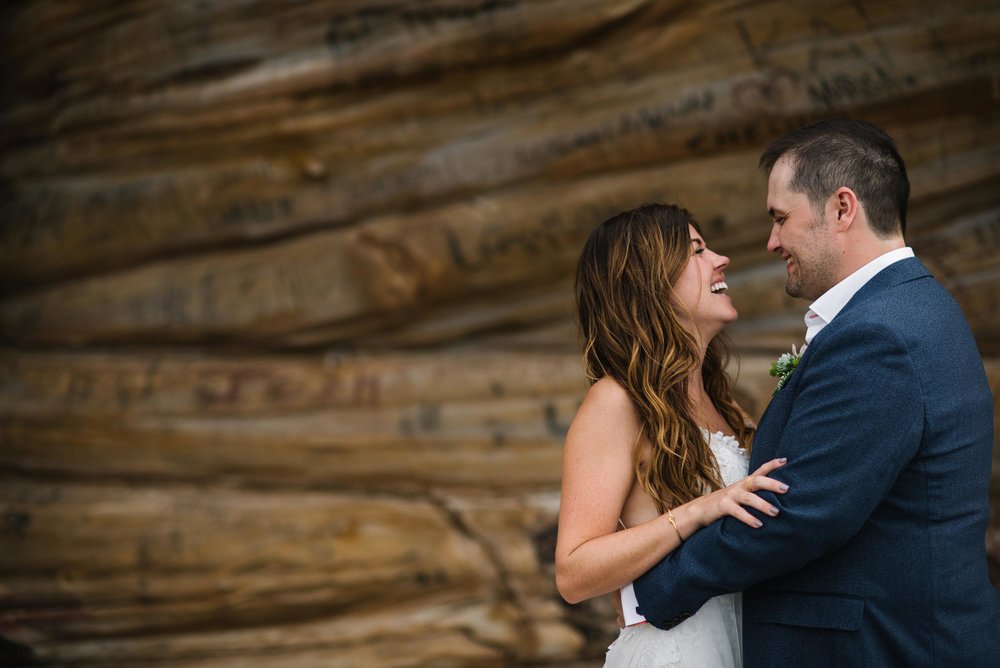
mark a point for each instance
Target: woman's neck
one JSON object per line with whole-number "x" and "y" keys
{"x": 706, "y": 413}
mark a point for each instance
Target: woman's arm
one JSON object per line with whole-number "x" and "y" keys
{"x": 592, "y": 558}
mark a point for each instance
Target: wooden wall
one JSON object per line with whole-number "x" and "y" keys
{"x": 286, "y": 340}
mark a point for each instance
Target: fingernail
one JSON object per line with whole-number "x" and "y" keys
{"x": 758, "y": 523}
{"x": 782, "y": 460}
{"x": 773, "y": 510}
{"x": 783, "y": 487}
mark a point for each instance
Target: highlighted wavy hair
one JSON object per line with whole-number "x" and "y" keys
{"x": 629, "y": 316}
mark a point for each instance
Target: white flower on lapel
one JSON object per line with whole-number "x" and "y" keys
{"x": 783, "y": 367}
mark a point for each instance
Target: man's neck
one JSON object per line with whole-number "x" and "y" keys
{"x": 860, "y": 254}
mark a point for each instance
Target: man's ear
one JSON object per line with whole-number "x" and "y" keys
{"x": 845, "y": 201}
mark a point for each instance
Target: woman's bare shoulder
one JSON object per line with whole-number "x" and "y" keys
{"x": 608, "y": 401}
{"x": 605, "y": 425}
{"x": 608, "y": 392}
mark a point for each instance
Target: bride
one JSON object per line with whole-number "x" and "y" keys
{"x": 654, "y": 452}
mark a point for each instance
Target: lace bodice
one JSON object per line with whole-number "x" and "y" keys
{"x": 733, "y": 460}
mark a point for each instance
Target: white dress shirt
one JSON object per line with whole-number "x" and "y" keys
{"x": 822, "y": 311}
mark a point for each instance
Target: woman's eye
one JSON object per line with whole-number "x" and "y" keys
{"x": 699, "y": 251}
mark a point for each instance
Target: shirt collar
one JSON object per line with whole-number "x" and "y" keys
{"x": 822, "y": 311}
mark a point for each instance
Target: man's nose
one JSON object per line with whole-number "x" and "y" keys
{"x": 774, "y": 241}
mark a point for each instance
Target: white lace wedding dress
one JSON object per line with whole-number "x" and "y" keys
{"x": 711, "y": 636}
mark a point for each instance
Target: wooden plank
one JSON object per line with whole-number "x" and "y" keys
{"x": 345, "y": 285}
{"x": 497, "y": 444}
{"x": 100, "y": 573}
{"x": 316, "y": 173}
{"x": 438, "y": 631}
{"x": 391, "y": 422}
{"x": 184, "y": 530}
{"x": 167, "y": 383}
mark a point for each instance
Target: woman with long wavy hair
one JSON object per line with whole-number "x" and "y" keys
{"x": 658, "y": 448}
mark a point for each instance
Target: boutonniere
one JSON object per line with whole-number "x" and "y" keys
{"x": 783, "y": 367}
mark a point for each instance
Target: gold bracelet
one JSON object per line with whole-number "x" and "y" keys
{"x": 673, "y": 523}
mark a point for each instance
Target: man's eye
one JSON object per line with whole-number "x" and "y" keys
{"x": 781, "y": 219}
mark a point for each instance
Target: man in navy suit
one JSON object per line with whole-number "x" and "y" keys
{"x": 877, "y": 557}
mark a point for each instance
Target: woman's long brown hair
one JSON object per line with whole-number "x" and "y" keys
{"x": 632, "y": 332}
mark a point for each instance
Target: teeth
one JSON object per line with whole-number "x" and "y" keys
{"x": 719, "y": 287}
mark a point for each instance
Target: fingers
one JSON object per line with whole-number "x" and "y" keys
{"x": 758, "y": 503}
{"x": 742, "y": 515}
{"x": 758, "y": 480}
{"x": 757, "y": 483}
{"x": 745, "y": 495}
{"x": 743, "y": 500}
{"x": 737, "y": 498}
{"x": 735, "y": 501}
{"x": 769, "y": 466}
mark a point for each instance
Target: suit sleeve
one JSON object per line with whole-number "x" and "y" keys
{"x": 856, "y": 421}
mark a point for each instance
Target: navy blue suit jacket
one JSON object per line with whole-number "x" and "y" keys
{"x": 878, "y": 556}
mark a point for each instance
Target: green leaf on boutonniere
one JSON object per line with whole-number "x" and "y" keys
{"x": 783, "y": 367}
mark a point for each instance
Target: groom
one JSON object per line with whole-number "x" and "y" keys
{"x": 878, "y": 556}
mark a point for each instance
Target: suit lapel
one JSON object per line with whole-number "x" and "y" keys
{"x": 775, "y": 416}
{"x": 772, "y": 422}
